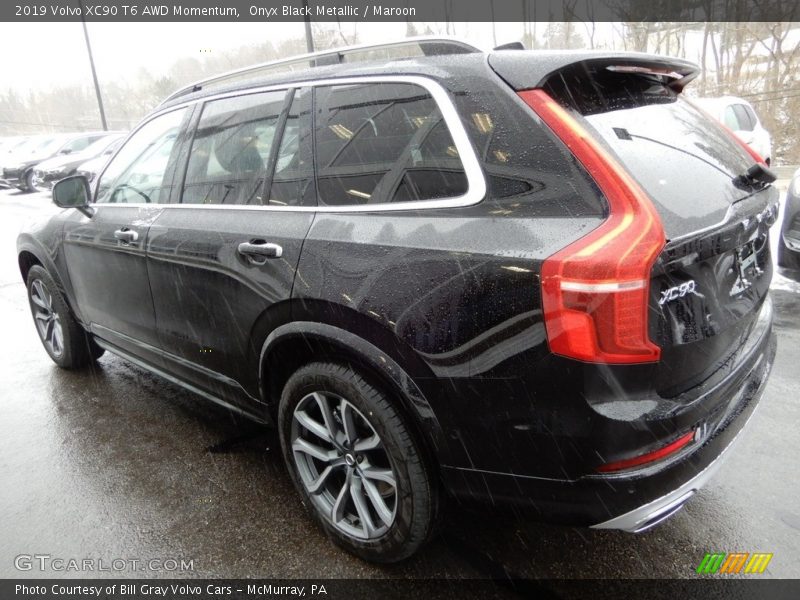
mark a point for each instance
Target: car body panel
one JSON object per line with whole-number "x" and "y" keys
{"x": 207, "y": 320}
{"x": 109, "y": 276}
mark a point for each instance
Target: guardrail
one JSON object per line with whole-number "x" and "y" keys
{"x": 784, "y": 171}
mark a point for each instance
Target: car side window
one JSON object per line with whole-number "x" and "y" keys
{"x": 730, "y": 120}
{"x": 293, "y": 176}
{"x": 139, "y": 172}
{"x": 751, "y": 114}
{"x": 745, "y": 122}
{"x": 231, "y": 149}
{"x": 383, "y": 142}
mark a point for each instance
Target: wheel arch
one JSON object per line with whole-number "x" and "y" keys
{"x": 26, "y": 260}
{"x": 296, "y": 343}
{"x": 29, "y": 254}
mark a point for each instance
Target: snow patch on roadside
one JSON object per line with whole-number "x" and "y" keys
{"x": 779, "y": 282}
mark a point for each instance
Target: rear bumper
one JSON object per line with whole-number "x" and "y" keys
{"x": 652, "y": 513}
{"x": 640, "y": 498}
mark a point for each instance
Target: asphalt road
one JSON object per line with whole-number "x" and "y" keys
{"x": 117, "y": 463}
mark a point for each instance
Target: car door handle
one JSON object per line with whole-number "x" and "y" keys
{"x": 260, "y": 249}
{"x": 126, "y": 235}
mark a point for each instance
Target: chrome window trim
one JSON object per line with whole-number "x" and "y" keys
{"x": 476, "y": 184}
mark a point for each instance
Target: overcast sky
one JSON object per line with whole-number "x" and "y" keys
{"x": 41, "y": 55}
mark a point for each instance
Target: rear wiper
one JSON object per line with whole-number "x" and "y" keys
{"x": 757, "y": 174}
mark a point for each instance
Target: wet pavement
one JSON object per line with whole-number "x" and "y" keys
{"x": 114, "y": 463}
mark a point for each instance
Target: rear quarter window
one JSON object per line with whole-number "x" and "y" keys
{"x": 523, "y": 161}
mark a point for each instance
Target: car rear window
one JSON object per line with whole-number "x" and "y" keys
{"x": 683, "y": 158}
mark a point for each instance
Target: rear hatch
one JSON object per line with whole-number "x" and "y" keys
{"x": 711, "y": 280}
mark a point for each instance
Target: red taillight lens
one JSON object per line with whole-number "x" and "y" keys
{"x": 595, "y": 292}
{"x": 642, "y": 459}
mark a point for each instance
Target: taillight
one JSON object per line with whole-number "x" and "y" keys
{"x": 595, "y": 292}
{"x": 650, "y": 457}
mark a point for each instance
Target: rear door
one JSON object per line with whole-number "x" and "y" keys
{"x": 223, "y": 260}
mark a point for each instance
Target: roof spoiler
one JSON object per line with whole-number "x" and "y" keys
{"x": 531, "y": 69}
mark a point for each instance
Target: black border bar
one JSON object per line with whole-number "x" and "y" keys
{"x": 375, "y": 11}
{"x": 699, "y": 587}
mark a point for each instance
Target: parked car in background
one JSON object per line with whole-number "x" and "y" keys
{"x": 9, "y": 146}
{"x": 789, "y": 245}
{"x": 18, "y": 168}
{"x": 47, "y": 172}
{"x": 92, "y": 167}
{"x": 22, "y": 145}
{"x": 739, "y": 116}
{"x": 533, "y": 280}
{"x": 9, "y": 143}
{"x": 31, "y": 150}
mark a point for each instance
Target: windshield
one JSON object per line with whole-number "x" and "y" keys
{"x": 15, "y": 145}
{"x": 49, "y": 146}
{"x": 32, "y": 144}
{"x": 98, "y": 147}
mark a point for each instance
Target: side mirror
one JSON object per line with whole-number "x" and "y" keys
{"x": 66, "y": 151}
{"x": 73, "y": 192}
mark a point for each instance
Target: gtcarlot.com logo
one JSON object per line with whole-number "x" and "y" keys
{"x": 46, "y": 562}
{"x": 721, "y": 563}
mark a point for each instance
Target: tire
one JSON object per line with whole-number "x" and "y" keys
{"x": 29, "y": 187}
{"x": 64, "y": 340}
{"x": 379, "y": 450}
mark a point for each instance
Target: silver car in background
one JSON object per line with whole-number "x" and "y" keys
{"x": 739, "y": 116}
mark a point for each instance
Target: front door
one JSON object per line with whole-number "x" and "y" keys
{"x": 105, "y": 253}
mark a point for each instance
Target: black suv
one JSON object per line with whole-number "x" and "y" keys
{"x": 538, "y": 279}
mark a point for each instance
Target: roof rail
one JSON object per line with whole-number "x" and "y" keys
{"x": 427, "y": 45}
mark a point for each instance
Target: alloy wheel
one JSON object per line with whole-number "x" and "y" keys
{"x": 344, "y": 465}
{"x": 47, "y": 320}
